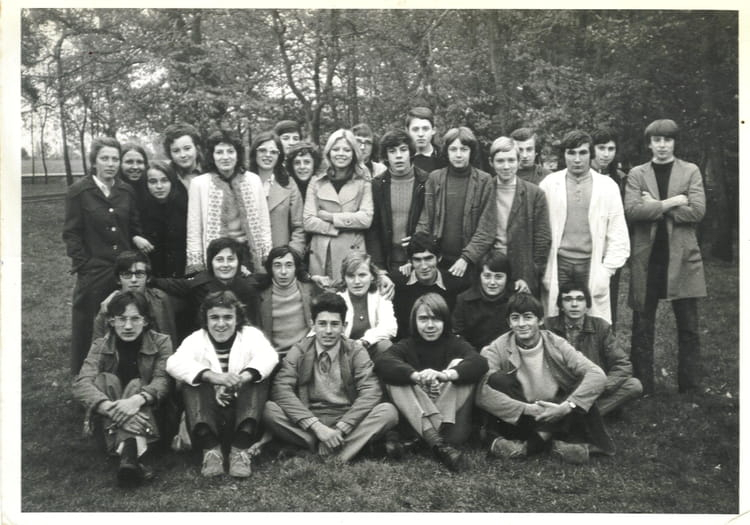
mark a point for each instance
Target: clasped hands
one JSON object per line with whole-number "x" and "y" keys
{"x": 332, "y": 438}
{"x": 546, "y": 411}
{"x": 125, "y": 413}
{"x": 226, "y": 385}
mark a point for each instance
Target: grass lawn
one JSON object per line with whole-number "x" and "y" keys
{"x": 675, "y": 454}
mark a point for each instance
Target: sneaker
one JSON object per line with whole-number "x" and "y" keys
{"x": 575, "y": 453}
{"x": 240, "y": 463}
{"x": 213, "y": 462}
{"x": 450, "y": 457}
{"x": 508, "y": 449}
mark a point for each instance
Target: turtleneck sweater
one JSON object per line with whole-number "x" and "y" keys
{"x": 456, "y": 186}
{"x": 288, "y": 317}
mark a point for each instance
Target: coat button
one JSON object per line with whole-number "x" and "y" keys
{"x": 114, "y": 229}
{"x": 111, "y": 210}
{"x": 114, "y": 247}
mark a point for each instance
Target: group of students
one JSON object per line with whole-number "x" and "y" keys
{"x": 320, "y": 300}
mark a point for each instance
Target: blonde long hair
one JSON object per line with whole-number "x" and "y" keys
{"x": 356, "y": 168}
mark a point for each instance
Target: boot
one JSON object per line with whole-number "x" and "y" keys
{"x": 448, "y": 455}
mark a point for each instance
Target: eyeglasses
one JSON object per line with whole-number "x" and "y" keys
{"x": 122, "y": 320}
{"x": 264, "y": 151}
{"x": 140, "y": 274}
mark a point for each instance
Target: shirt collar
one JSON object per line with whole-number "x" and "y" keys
{"x": 438, "y": 281}
{"x": 332, "y": 353}
{"x": 106, "y": 190}
{"x": 579, "y": 180}
{"x": 573, "y": 325}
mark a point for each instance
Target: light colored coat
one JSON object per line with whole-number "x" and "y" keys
{"x": 204, "y": 217}
{"x": 610, "y": 245}
{"x": 685, "y": 277}
{"x": 352, "y": 211}
{"x": 383, "y": 326}
{"x": 285, "y": 209}
{"x": 579, "y": 378}
{"x": 196, "y": 353}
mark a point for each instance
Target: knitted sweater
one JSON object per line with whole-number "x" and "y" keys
{"x": 414, "y": 354}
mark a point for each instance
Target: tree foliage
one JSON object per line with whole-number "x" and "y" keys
{"x": 134, "y": 71}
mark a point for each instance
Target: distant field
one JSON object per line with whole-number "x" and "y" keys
{"x": 54, "y": 166}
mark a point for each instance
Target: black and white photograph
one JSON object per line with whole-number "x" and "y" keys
{"x": 371, "y": 259}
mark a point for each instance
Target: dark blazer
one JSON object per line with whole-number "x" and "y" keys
{"x": 98, "y": 228}
{"x": 528, "y": 234}
{"x": 379, "y": 236}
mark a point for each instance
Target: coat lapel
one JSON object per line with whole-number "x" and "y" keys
{"x": 675, "y": 179}
{"x": 327, "y": 192}
{"x": 518, "y": 199}
{"x": 277, "y": 195}
{"x": 348, "y": 193}
{"x": 650, "y": 179}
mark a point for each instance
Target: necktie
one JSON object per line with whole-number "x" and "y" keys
{"x": 325, "y": 362}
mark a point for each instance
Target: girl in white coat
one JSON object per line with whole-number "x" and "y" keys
{"x": 369, "y": 315}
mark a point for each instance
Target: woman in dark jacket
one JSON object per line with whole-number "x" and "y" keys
{"x": 164, "y": 220}
{"x": 223, "y": 273}
{"x": 101, "y": 221}
{"x": 431, "y": 377}
{"x": 122, "y": 381}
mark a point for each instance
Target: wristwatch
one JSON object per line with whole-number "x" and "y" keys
{"x": 572, "y": 405}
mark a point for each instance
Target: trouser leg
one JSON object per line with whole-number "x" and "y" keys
{"x": 525, "y": 428}
{"x": 104, "y": 428}
{"x": 202, "y": 410}
{"x": 611, "y": 400}
{"x": 614, "y": 294}
{"x": 455, "y": 406}
{"x": 112, "y": 436}
{"x": 688, "y": 344}
{"x": 415, "y": 407}
{"x": 572, "y": 271}
{"x": 285, "y": 429}
{"x": 250, "y": 401}
{"x": 642, "y": 342}
{"x": 381, "y": 418}
{"x": 92, "y": 287}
